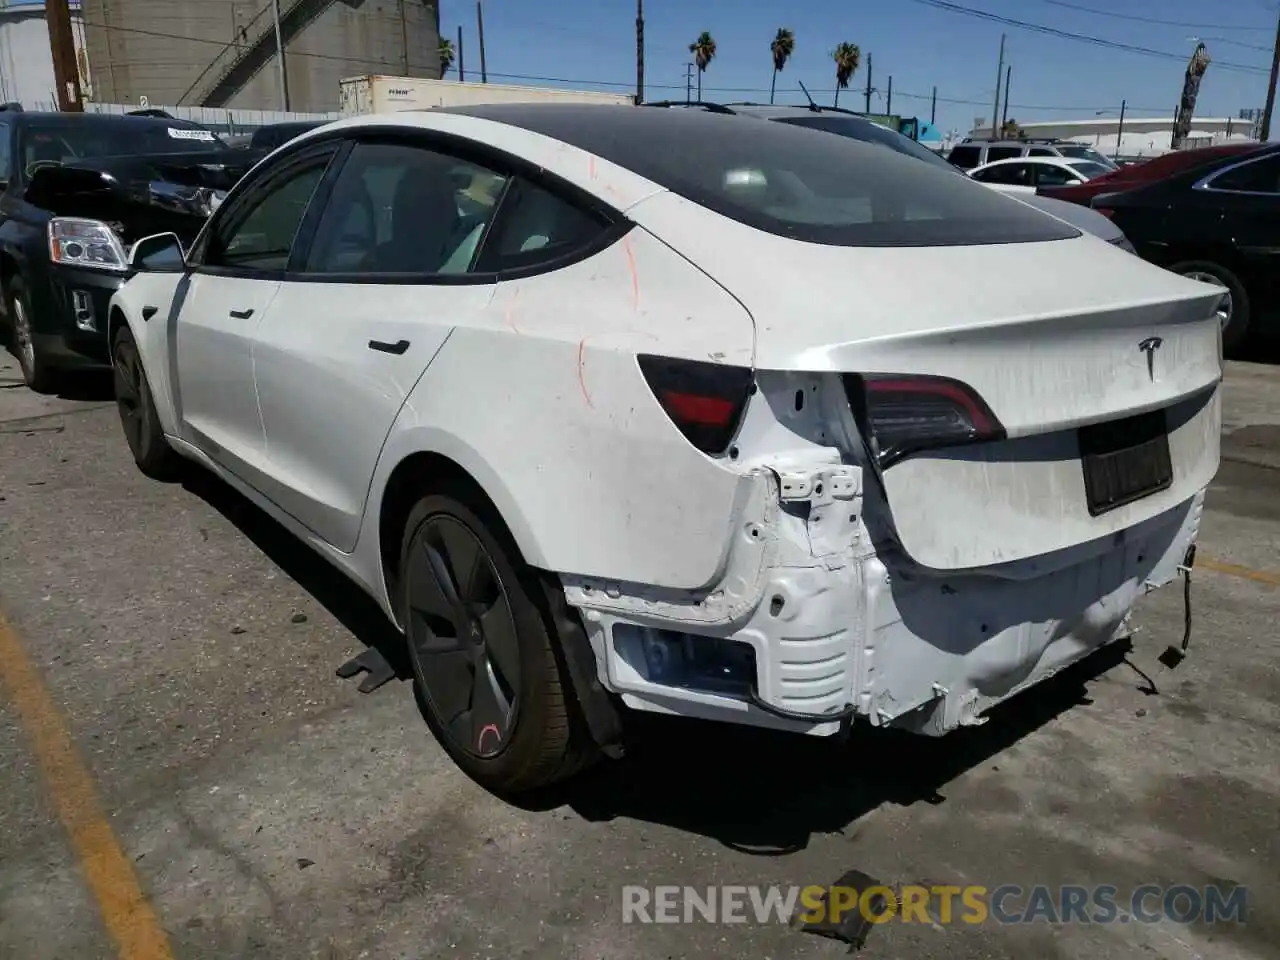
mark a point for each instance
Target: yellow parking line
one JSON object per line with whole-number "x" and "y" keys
{"x": 125, "y": 911}
{"x": 1232, "y": 570}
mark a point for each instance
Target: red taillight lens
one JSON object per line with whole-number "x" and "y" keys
{"x": 705, "y": 400}
{"x": 901, "y": 414}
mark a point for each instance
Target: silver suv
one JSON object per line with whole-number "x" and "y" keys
{"x": 974, "y": 153}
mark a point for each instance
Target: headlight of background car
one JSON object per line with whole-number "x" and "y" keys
{"x": 86, "y": 243}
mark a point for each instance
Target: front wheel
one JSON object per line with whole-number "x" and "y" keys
{"x": 483, "y": 653}
{"x": 137, "y": 408}
{"x": 1235, "y": 309}
{"x": 37, "y": 373}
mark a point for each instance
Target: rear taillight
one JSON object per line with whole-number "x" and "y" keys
{"x": 705, "y": 400}
{"x": 901, "y": 414}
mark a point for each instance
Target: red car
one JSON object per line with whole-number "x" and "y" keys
{"x": 1145, "y": 171}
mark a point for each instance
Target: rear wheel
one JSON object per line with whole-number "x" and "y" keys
{"x": 1236, "y": 312}
{"x": 142, "y": 430}
{"x": 483, "y": 652}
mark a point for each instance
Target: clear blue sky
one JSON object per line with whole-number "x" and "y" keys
{"x": 592, "y": 44}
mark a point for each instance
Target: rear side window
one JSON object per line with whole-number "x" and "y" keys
{"x": 535, "y": 226}
{"x": 1002, "y": 153}
{"x": 966, "y": 158}
{"x": 1260, "y": 176}
{"x": 796, "y": 183}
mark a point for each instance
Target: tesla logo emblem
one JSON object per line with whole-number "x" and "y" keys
{"x": 1149, "y": 346}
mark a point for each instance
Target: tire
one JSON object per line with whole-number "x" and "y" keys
{"x": 1237, "y": 328}
{"x": 499, "y": 638}
{"x": 137, "y": 409}
{"x": 37, "y": 373}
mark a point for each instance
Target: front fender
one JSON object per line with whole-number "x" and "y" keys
{"x": 144, "y": 304}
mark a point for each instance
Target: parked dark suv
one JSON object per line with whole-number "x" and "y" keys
{"x": 77, "y": 190}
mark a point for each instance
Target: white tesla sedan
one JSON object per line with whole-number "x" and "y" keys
{"x": 671, "y": 410}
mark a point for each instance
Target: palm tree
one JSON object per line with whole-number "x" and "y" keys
{"x": 447, "y": 55}
{"x": 784, "y": 44}
{"x": 847, "y": 57}
{"x": 704, "y": 51}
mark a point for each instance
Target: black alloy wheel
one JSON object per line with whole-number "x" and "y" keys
{"x": 483, "y": 652}
{"x": 142, "y": 430}
{"x": 463, "y": 637}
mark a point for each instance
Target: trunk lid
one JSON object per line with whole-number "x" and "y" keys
{"x": 1052, "y": 336}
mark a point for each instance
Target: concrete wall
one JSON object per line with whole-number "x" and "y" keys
{"x": 160, "y": 49}
{"x": 26, "y": 63}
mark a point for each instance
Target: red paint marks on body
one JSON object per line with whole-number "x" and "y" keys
{"x": 582, "y": 382}
{"x": 635, "y": 275}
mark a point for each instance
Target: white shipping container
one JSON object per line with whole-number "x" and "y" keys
{"x": 379, "y": 94}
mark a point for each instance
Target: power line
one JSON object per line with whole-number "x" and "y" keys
{"x": 1137, "y": 19}
{"x": 1079, "y": 37}
{"x": 613, "y": 84}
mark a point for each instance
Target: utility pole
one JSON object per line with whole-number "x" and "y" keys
{"x": 1120, "y": 131}
{"x": 888, "y": 100}
{"x": 462, "y": 76}
{"x": 1265, "y": 133}
{"x": 280, "y": 64}
{"x": 62, "y": 45}
{"x": 866, "y": 107}
{"x": 404, "y": 38}
{"x": 995, "y": 108}
{"x": 1004, "y": 117}
{"x": 639, "y": 52}
{"x": 933, "y": 108}
{"x": 484, "y": 74}
{"x": 688, "y": 82}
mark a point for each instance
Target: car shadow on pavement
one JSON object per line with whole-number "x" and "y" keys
{"x": 349, "y": 605}
{"x": 768, "y": 793}
{"x": 755, "y": 791}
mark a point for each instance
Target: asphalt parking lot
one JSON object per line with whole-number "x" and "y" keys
{"x": 182, "y": 775}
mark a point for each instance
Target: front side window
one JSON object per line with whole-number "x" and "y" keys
{"x": 1260, "y": 176}
{"x": 260, "y": 238}
{"x": 1089, "y": 169}
{"x": 1006, "y": 174}
{"x": 398, "y": 208}
{"x": 796, "y": 183}
{"x": 1051, "y": 175}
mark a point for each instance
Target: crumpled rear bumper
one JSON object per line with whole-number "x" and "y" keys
{"x": 833, "y": 624}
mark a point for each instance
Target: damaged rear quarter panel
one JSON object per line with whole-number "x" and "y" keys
{"x": 541, "y": 400}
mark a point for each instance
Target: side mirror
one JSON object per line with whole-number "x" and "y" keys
{"x": 158, "y": 253}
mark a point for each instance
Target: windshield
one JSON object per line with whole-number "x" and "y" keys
{"x": 1090, "y": 168}
{"x": 1081, "y": 152}
{"x": 64, "y": 140}
{"x": 789, "y": 181}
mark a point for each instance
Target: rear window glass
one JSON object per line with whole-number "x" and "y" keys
{"x": 846, "y": 126}
{"x": 1081, "y": 152}
{"x": 965, "y": 157}
{"x": 789, "y": 181}
{"x": 1090, "y": 168}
